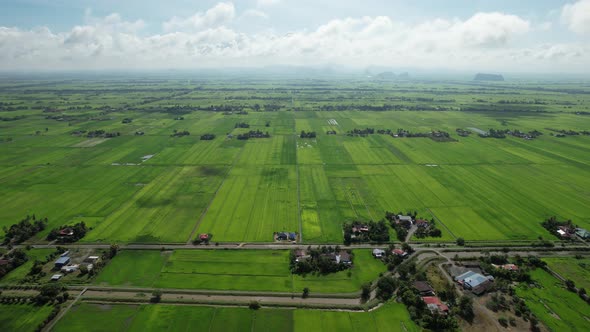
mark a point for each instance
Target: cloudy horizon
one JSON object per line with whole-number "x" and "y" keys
{"x": 532, "y": 36}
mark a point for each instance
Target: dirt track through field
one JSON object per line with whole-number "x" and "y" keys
{"x": 204, "y": 298}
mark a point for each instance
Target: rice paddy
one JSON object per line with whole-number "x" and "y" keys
{"x": 239, "y": 270}
{"x": 244, "y": 190}
{"x": 97, "y": 317}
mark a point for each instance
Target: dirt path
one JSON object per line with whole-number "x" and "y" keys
{"x": 204, "y": 298}
{"x": 411, "y": 232}
{"x": 62, "y": 313}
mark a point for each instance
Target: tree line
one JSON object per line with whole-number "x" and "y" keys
{"x": 310, "y": 134}
{"x": 253, "y": 134}
{"x": 23, "y": 230}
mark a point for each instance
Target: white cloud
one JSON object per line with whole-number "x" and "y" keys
{"x": 262, "y": 3}
{"x": 210, "y": 39}
{"x": 577, "y": 16}
{"x": 255, "y": 13}
{"x": 491, "y": 29}
{"x": 221, "y": 14}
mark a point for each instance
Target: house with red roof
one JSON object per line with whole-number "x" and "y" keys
{"x": 434, "y": 304}
{"x": 399, "y": 253}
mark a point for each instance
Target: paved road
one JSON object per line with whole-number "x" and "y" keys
{"x": 277, "y": 246}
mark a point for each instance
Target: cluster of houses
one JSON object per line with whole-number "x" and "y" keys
{"x": 341, "y": 256}
{"x": 433, "y": 303}
{"x": 64, "y": 264}
{"x": 358, "y": 230}
{"x": 568, "y": 232}
{"x": 285, "y": 236}
{"x": 380, "y": 253}
{"x": 408, "y": 222}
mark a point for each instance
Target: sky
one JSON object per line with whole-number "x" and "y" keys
{"x": 546, "y": 36}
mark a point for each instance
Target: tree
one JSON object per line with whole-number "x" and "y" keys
{"x": 254, "y": 305}
{"x": 366, "y": 292}
{"x": 156, "y": 296}
{"x": 466, "y": 308}
{"x": 385, "y": 288}
{"x": 407, "y": 248}
{"x": 305, "y": 293}
{"x": 113, "y": 249}
{"x": 460, "y": 241}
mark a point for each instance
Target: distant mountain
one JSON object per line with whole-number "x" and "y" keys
{"x": 403, "y": 76}
{"x": 488, "y": 77}
{"x": 386, "y": 76}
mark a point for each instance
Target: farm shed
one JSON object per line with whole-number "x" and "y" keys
{"x": 62, "y": 261}
{"x": 475, "y": 282}
{"x": 584, "y": 234}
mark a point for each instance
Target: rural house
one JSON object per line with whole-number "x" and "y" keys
{"x": 421, "y": 223}
{"x": 424, "y": 288}
{"x": 508, "y": 267}
{"x": 434, "y": 304}
{"x": 343, "y": 257}
{"x": 68, "y": 231}
{"x": 301, "y": 255}
{"x": 400, "y": 253}
{"x": 378, "y": 253}
{"x": 405, "y": 219}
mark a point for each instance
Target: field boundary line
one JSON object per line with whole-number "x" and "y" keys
{"x": 237, "y": 157}
{"x": 298, "y": 186}
{"x": 438, "y": 220}
{"x": 212, "y": 317}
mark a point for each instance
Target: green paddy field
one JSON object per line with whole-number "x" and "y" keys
{"x": 558, "y": 308}
{"x": 243, "y": 191}
{"x": 240, "y": 270}
{"x": 22, "y": 317}
{"x": 96, "y": 317}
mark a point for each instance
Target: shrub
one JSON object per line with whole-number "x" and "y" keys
{"x": 156, "y": 296}
{"x": 305, "y": 293}
{"x": 254, "y": 305}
